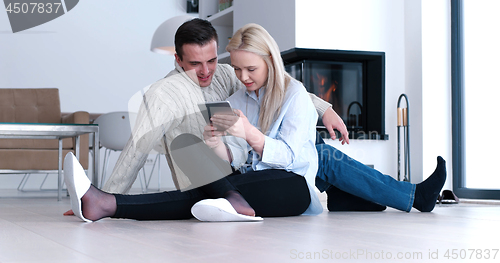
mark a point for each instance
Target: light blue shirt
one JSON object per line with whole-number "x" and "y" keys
{"x": 290, "y": 142}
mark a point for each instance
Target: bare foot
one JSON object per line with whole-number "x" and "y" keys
{"x": 97, "y": 204}
{"x": 239, "y": 203}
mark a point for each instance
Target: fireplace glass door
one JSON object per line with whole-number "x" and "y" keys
{"x": 339, "y": 83}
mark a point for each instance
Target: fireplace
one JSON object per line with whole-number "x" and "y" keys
{"x": 352, "y": 81}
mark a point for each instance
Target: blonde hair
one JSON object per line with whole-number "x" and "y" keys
{"x": 254, "y": 38}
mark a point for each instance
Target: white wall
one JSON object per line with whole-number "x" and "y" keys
{"x": 413, "y": 85}
{"x": 436, "y": 85}
{"x": 369, "y": 26}
{"x": 97, "y": 54}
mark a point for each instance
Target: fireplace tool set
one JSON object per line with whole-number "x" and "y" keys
{"x": 404, "y": 124}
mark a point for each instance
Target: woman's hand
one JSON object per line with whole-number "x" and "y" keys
{"x": 237, "y": 125}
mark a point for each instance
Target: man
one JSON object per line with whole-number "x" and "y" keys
{"x": 170, "y": 108}
{"x": 207, "y": 81}
{"x": 168, "y": 111}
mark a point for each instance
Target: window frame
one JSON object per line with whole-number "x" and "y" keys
{"x": 458, "y": 115}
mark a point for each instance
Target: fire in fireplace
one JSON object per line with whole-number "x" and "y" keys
{"x": 326, "y": 88}
{"x": 352, "y": 81}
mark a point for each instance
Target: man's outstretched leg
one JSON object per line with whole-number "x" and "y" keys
{"x": 351, "y": 176}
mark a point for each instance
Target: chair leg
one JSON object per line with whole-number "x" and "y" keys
{"x": 144, "y": 187}
{"x": 21, "y": 185}
{"x": 159, "y": 171}
{"x": 148, "y": 182}
{"x": 25, "y": 179}
{"x": 43, "y": 182}
{"x": 107, "y": 154}
{"x": 151, "y": 174}
{"x": 145, "y": 182}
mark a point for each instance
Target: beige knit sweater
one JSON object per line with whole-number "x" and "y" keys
{"x": 170, "y": 108}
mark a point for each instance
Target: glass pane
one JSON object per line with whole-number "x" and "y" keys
{"x": 339, "y": 83}
{"x": 482, "y": 92}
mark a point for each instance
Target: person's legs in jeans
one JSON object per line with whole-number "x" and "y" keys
{"x": 351, "y": 176}
{"x": 338, "y": 200}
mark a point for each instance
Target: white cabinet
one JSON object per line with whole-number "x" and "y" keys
{"x": 278, "y": 17}
{"x": 222, "y": 22}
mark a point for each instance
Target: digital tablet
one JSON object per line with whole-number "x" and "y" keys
{"x": 209, "y": 109}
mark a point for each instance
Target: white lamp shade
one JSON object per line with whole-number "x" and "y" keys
{"x": 163, "y": 38}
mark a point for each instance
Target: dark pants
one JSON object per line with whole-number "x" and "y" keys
{"x": 270, "y": 192}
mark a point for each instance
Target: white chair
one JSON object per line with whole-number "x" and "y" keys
{"x": 114, "y": 133}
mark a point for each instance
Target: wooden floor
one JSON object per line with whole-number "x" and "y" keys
{"x": 32, "y": 229}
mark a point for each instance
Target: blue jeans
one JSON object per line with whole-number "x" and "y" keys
{"x": 351, "y": 176}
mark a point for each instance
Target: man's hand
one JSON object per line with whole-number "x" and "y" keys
{"x": 212, "y": 136}
{"x": 213, "y": 140}
{"x": 332, "y": 121}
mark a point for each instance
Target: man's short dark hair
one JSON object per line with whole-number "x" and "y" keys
{"x": 196, "y": 31}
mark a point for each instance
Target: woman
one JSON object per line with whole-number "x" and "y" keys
{"x": 276, "y": 121}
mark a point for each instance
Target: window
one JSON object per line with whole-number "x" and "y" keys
{"x": 475, "y": 92}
